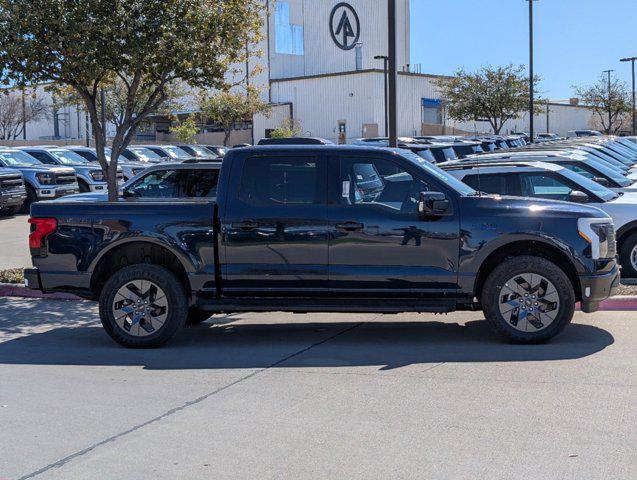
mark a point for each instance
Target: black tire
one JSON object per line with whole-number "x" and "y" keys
{"x": 625, "y": 251}
{"x": 197, "y": 316}
{"x": 83, "y": 186}
{"x": 176, "y": 301}
{"x": 494, "y": 291}
{"x": 31, "y": 197}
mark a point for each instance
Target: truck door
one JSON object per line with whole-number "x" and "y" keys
{"x": 379, "y": 242}
{"x": 275, "y": 227}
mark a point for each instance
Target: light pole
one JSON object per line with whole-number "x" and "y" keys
{"x": 393, "y": 73}
{"x": 531, "y": 99}
{"x": 632, "y": 60}
{"x": 385, "y": 59}
{"x": 610, "y": 108}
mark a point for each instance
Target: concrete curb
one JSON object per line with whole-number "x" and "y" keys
{"x": 620, "y": 302}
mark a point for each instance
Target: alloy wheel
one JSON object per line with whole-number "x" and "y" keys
{"x": 529, "y": 302}
{"x": 140, "y": 308}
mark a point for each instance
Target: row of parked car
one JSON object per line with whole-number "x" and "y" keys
{"x": 32, "y": 173}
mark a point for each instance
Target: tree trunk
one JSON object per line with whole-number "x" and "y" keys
{"x": 226, "y": 137}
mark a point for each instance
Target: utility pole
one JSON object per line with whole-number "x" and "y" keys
{"x": 610, "y": 107}
{"x": 393, "y": 73}
{"x": 385, "y": 59}
{"x": 632, "y": 61}
{"x": 531, "y": 86}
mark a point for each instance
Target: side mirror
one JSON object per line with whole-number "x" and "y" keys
{"x": 433, "y": 204}
{"x": 601, "y": 180}
{"x": 577, "y": 197}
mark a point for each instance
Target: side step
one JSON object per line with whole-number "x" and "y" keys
{"x": 343, "y": 305}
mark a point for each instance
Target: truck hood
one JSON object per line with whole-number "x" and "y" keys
{"x": 536, "y": 207}
{"x": 623, "y": 209}
{"x": 44, "y": 168}
{"x": 9, "y": 171}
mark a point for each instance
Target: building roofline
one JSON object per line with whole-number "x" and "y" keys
{"x": 353, "y": 72}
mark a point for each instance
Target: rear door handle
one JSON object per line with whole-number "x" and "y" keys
{"x": 245, "y": 225}
{"x": 349, "y": 226}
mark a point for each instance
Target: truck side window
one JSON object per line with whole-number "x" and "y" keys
{"x": 378, "y": 181}
{"x": 544, "y": 186}
{"x": 43, "y": 157}
{"x": 202, "y": 183}
{"x": 280, "y": 181}
{"x": 160, "y": 184}
{"x": 496, "y": 184}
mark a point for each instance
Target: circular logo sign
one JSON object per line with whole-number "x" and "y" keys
{"x": 344, "y": 26}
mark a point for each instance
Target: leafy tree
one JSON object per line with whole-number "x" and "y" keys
{"x": 18, "y": 108}
{"x": 143, "y": 47}
{"x": 185, "y": 130}
{"x": 599, "y": 98}
{"x": 226, "y": 108}
{"x": 494, "y": 94}
{"x": 288, "y": 128}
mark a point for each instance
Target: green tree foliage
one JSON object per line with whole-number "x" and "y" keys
{"x": 226, "y": 108}
{"x": 143, "y": 47}
{"x": 599, "y": 98}
{"x": 493, "y": 94}
{"x": 288, "y": 128}
{"x": 185, "y": 130}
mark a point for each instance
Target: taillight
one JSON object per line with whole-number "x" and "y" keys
{"x": 43, "y": 228}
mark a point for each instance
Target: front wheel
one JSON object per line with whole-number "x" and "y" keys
{"x": 528, "y": 299}
{"x": 143, "y": 306}
{"x": 628, "y": 256}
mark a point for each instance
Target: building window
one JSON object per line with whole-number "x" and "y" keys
{"x": 432, "y": 111}
{"x": 288, "y": 38}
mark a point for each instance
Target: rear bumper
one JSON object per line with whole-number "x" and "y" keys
{"x": 32, "y": 279}
{"x": 596, "y": 288}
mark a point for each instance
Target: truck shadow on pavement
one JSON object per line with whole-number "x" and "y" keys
{"x": 73, "y": 336}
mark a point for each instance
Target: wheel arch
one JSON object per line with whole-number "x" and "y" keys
{"x": 527, "y": 247}
{"x": 134, "y": 252}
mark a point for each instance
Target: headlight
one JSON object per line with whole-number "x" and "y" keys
{"x": 600, "y": 233}
{"x": 45, "y": 178}
{"x": 97, "y": 175}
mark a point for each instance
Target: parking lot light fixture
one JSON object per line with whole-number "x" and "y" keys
{"x": 632, "y": 61}
{"x": 531, "y": 86}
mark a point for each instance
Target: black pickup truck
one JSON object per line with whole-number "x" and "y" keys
{"x": 330, "y": 229}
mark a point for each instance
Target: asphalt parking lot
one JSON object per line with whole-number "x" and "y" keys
{"x": 314, "y": 396}
{"x": 14, "y": 246}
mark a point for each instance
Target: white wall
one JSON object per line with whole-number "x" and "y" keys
{"x": 320, "y": 53}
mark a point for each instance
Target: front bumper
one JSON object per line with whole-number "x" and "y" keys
{"x": 56, "y": 191}
{"x": 596, "y": 288}
{"x": 11, "y": 199}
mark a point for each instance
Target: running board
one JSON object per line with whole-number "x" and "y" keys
{"x": 341, "y": 305}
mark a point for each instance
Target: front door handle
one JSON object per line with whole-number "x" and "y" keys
{"x": 245, "y": 225}
{"x": 349, "y": 226}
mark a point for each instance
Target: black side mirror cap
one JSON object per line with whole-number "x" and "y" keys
{"x": 601, "y": 180}
{"x": 577, "y": 197}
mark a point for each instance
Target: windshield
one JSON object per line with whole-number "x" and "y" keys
{"x": 18, "y": 158}
{"x": 609, "y": 172}
{"x": 602, "y": 192}
{"x": 176, "y": 152}
{"x": 426, "y": 154}
{"x": 200, "y": 151}
{"x": 146, "y": 154}
{"x": 436, "y": 172}
{"x": 109, "y": 151}
{"x": 67, "y": 157}
{"x": 450, "y": 154}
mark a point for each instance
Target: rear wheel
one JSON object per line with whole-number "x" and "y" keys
{"x": 143, "y": 306}
{"x": 628, "y": 256}
{"x": 528, "y": 299}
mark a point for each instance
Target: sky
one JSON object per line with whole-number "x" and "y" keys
{"x": 575, "y": 40}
